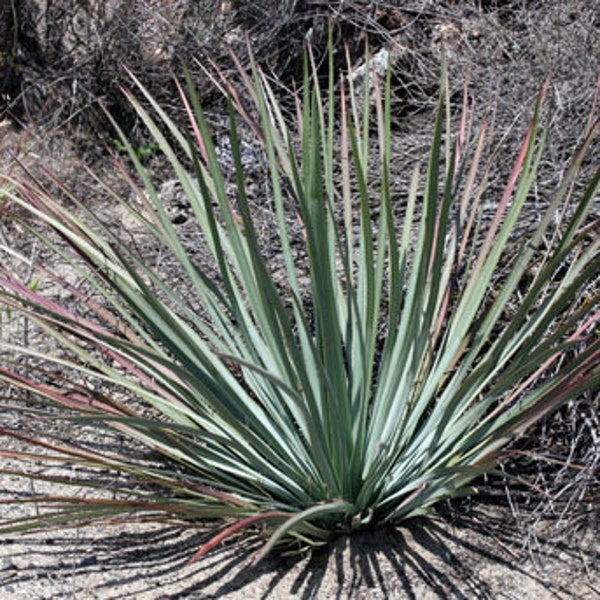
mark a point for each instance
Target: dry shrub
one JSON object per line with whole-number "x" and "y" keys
{"x": 83, "y": 48}
{"x": 61, "y": 57}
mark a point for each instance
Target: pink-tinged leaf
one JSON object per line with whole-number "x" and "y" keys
{"x": 412, "y": 497}
{"x": 468, "y": 190}
{"x": 233, "y": 529}
{"x": 591, "y": 124}
{"x": 192, "y": 121}
{"x": 443, "y": 313}
{"x": 141, "y": 374}
{"x": 104, "y": 339}
{"x": 577, "y": 336}
{"x": 63, "y": 318}
{"x": 513, "y": 178}
{"x": 70, "y": 399}
{"x": 72, "y": 450}
{"x": 210, "y": 492}
{"x": 23, "y": 292}
{"x": 462, "y": 136}
{"x": 230, "y": 90}
{"x": 561, "y": 393}
{"x": 83, "y": 299}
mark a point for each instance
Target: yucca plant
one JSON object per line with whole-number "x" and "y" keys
{"x": 379, "y": 369}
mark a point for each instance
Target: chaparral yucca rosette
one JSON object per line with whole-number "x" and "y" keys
{"x": 353, "y": 383}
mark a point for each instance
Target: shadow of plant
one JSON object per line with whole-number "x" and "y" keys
{"x": 472, "y": 557}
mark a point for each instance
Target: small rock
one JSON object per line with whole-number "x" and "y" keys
{"x": 7, "y": 564}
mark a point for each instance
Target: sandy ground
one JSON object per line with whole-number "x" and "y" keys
{"x": 430, "y": 559}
